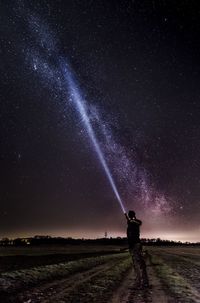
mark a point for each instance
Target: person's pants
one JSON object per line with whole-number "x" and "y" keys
{"x": 139, "y": 263}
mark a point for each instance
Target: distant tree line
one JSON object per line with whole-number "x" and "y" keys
{"x": 48, "y": 240}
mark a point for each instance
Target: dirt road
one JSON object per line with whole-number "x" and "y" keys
{"x": 62, "y": 289}
{"x": 77, "y": 288}
{"x": 174, "y": 277}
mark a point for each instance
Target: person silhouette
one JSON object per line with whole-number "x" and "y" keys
{"x": 135, "y": 249}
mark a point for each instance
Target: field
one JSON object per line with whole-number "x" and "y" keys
{"x": 83, "y": 274}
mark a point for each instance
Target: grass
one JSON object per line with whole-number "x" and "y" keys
{"x": 56, "y": 249}
{"x": 15, "y": 280}
{"x": 177, "y": 269}
{"x": 100, "y": 288}
{"x": 16, "y": 258}
{"x": 174, "y": 283}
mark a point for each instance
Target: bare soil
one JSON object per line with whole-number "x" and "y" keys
{"x": 16, "y": 262}
{"x": 174, "y": 275}
{"x": 55, "y": 291}
{"x": 156, "y": 293}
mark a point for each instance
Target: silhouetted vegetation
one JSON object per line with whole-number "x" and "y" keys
{"x": 48, "y": 240}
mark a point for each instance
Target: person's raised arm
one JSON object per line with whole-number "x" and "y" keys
{"x": 127, "y": 218}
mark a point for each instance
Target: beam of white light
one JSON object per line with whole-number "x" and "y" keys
{"x": 79, "y": 104}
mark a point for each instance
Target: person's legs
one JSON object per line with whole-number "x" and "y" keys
{"x": 142, "y": 265}
{"x": 136, "y": 264}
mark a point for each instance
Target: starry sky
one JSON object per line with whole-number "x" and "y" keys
{"x": 83, "y": 76}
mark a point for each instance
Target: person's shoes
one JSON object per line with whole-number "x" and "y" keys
{"x": 137, "y": 285}
{"x": 146, "y": 285}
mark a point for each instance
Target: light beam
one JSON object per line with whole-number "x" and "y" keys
{"x": 79, "y": 103}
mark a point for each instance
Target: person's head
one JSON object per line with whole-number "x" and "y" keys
{"x": 131, "y": 214}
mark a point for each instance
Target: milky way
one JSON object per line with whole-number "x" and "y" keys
{"x": 62, "y": 76}
{"x": 132, "y": 179}
{"x": 135, "y": 67}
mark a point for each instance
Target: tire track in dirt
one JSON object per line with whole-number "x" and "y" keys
{"x": 60, "y": 290}
{"x": 123, "y": 291}
{"x": 55, "y": 290}
{"x": 157, "y": 293}
{"x": 172, "y": 273}
{"x": 186, "y": 268}
{"x": 187, "y": 256}
{"x": 101, "y": 288}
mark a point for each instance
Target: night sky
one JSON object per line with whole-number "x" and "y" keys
{"x": 126, "y": 73}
